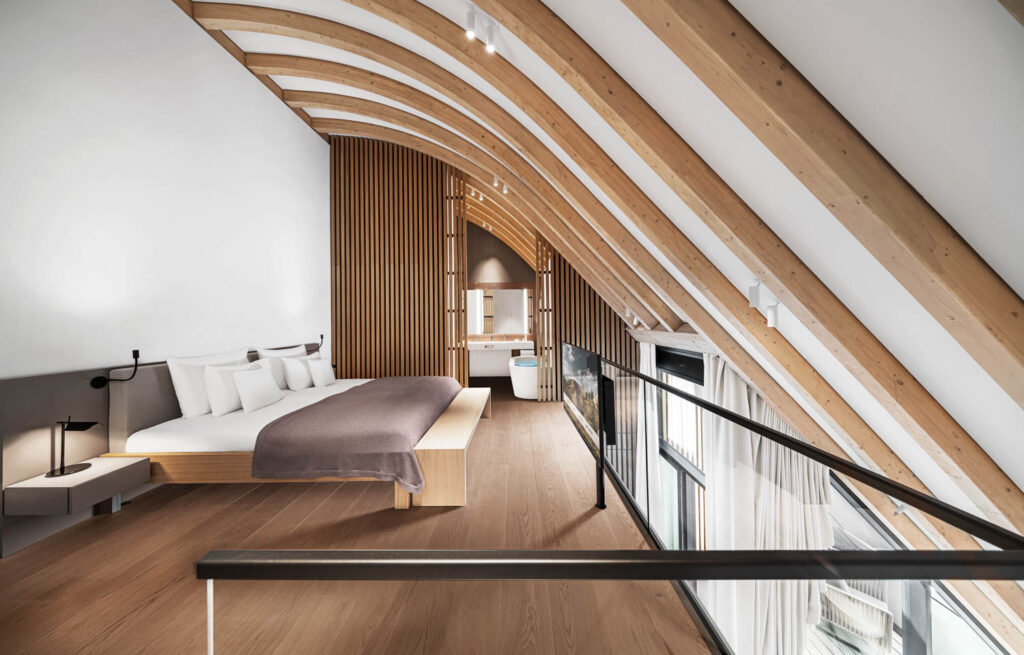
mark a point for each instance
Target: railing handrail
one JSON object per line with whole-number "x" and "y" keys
{"x": 609, "y": 565}
{"x": 969, "y": 523}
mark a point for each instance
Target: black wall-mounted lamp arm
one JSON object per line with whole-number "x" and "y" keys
{"x": 321, "y": 345}
{"x": 101, "y": 381}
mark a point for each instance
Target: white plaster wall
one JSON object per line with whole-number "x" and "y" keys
{"x": 153, "y": 194}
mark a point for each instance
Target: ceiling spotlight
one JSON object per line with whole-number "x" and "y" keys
{"x": 495, "y": 183}
{"x": 504, "y": 188}
{"x": 490, "y": 38}
{"x": 772, "y": 314}
{"x": 471, "y": 23}
{"x": 472, "y": 193}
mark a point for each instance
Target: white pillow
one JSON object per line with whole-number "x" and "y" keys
{"x": 296, "y": 371}
{"x": 275, "y": 356}
{"x": 321, "y": 372}
{"x": 187, "y": 374}
{"x": 256, "y": 388}
{"x": 220, "y": 386}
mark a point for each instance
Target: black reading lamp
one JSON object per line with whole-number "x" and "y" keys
{"x": 70, "y": 426}
{"x": 101, "y": 381}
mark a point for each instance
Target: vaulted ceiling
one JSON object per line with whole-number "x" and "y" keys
{"x": 862, "y": 164}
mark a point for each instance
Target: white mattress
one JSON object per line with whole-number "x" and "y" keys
{"x": 232, "y": 432}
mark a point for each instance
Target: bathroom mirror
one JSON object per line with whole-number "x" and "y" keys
{"x": 499, "y": 312}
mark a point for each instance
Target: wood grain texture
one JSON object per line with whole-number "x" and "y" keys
{"x": 461, "y": 134}
{"x": 697, "y": 30}
{"x": 399, "y": 262}
{"x": 798, "y": 373}
{"x": 124, "y": 583}
{"x": 849, "y": 177}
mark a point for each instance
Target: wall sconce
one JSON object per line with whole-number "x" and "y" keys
{"x": 754, "y": 294}
{"x": 65, "y": 427}
{"x": 101, "y": 381}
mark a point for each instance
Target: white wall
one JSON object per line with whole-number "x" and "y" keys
{"x": 153, "y": 193}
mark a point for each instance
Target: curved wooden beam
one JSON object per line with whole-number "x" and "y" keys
{"x": 470, "y": 130}
{"x": 790, "y": 363}
{"x": 501, "y": 229}
{"x": 1003, "y": 503}
{"x": 863, "y": 438}
{"x": 735, "y": 223}
{"x": 847, "y": 175}
{"x": 609, "y": 288}
{"x": 529, "y": 189}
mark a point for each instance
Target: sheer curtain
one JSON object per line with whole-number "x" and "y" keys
{"x": 648, "y": 450}
{"x": 760, "y": 496}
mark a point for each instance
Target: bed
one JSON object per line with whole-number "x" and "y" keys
{"x": 145, "y": 421}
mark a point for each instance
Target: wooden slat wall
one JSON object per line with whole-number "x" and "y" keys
{"x": 456, "y": 277}
{"x": 570, "y": 310}
{"x": 398, "y": 262}
{"x": 546, "y": 344}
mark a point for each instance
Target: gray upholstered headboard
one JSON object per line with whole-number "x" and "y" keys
{"x": 145, "y": 401}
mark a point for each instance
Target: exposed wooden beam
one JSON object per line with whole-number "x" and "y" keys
{"x": 773, "y": 394}
{"x": 1016, "y": 9}
{"x": 861, "y": 189}
{"x": 1002, "y": 502}
{"x": 791, "y": 364}
{"x": 610, "y": 288}
{"x": 511, "y": 166}
{"x": 763, "y": 252}
{"x": 638, "y": 263}
{"x": 232, "y": 48}
{"x": 510, "y": 236}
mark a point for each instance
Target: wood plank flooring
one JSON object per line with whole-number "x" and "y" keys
{"x": 125, "y": 583}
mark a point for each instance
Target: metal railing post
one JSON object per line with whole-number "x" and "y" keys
{"x": 209, "y": 616}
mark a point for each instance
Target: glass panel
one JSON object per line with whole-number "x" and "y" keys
{"x": 843, "y": 617}
{"x": 701, "y": 482}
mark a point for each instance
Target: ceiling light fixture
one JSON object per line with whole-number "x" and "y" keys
{"x": 490, "y": 38}
{"x": 471, "y": 23}
{"x": 504, "y": 189}
{"x": 495, "y": 183}
{"x": 772, "y": 314}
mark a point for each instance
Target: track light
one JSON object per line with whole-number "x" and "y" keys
{"x": 490, "y": 38}
{"x": 772, "y": 314}
{"x": 754, "y": 295}
{"x": 504, "y": 189}
{"x": 471, "y": 23}
{"x": 495, "y": 183}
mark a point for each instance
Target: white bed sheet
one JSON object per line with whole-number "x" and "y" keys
{"x": 231, "y": 432}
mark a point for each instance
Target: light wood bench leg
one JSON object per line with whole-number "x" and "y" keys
{"x": 487, "y": 408}
{"x": 403, "y": 499}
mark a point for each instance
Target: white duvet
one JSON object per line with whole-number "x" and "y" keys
{"x": 231, "y": 432}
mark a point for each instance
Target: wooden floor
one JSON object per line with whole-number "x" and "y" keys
{"x": 125, "y": 583}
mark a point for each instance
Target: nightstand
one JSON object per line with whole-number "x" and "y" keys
{"x": 100, "y": 486}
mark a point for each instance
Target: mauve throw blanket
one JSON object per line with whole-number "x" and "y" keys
{"x": 367, "y": 431}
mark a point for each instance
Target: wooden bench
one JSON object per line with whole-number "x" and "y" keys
{"x": 442, "y": 453}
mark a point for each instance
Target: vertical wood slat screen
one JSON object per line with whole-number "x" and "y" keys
{"x": 397, "y": 262}
{"x": 547, "y": 346}
{"x": 456, "y": 276}
{"x": 577, "y": 315}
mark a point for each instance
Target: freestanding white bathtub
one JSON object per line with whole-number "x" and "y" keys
{"x": 523, "y": 370}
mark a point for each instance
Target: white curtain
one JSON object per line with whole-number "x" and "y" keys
{"x": 760, "y": 496}
{"x": 648, "y": 451}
